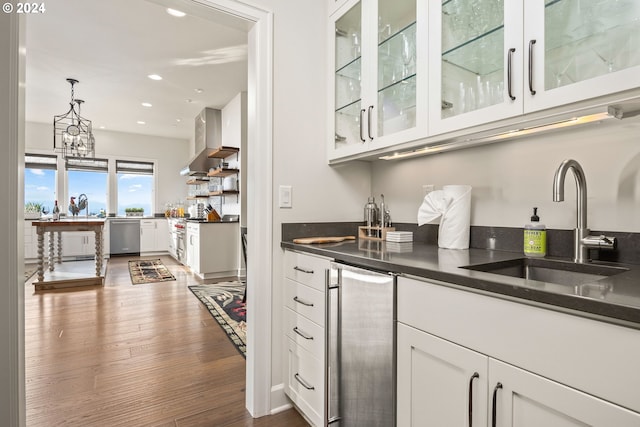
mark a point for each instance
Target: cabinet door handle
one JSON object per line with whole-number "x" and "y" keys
{"x": 531, "y": 43}
{"x": 509, "y": 61}
{"x": 495, "y": 404}
{"x": 302, "y": 333}
{"x": 303, "y": 382}
{"x": 303, "y": 270}
{"x": 473, "y": 377}
{"x": 361, "y": 130}
{"x": 369, "y": 121}
{"x": 303, "y": 302}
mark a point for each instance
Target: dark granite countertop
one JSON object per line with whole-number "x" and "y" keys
{"x": 614, "y": 299}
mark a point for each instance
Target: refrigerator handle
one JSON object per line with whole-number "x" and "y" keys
{"x": 330, "y": 351}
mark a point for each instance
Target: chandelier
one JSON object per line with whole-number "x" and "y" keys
{"x": 72, "y": 134}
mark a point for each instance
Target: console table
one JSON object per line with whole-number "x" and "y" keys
{"x": 64, "y": 275}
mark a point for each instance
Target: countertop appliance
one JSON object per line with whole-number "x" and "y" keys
{"x": 124, "y": 236}
{"x": 360, "y": 334}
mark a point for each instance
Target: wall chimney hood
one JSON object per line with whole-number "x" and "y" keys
{"x": 208, "y": 136}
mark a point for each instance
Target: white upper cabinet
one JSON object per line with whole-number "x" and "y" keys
{"x": 378, "y": 66}
{"x": 495, "y": 59}
{"x": 579, "y": 50}
{"x": 475, "y": 72}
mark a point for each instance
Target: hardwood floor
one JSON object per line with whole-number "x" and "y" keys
{"x": 133, "y": 355}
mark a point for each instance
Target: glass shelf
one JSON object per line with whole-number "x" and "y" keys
{"x": 397, "y": 106}
{"x": 351, "y": 109}
{"x": 482, "y": 55}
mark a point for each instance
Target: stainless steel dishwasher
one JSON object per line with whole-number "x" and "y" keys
{"x": 360, "y": 337}
{"x": 124, "y": 237}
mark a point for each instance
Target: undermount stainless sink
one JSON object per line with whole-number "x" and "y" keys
{"x": 550, "y": 271}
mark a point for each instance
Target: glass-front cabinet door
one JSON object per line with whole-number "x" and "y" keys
{"x": 379, "y": 66}
{"x": 475, "y": 73}
{"x": 347, "y": 65}
{"x": 580, "y": 49}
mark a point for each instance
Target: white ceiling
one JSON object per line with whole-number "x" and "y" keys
{"x": 112, "y": 46}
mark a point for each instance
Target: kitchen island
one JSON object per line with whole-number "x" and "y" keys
{"x": 65, "y": 275}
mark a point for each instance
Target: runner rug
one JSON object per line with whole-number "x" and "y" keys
{"x": 224, "y": 302}
{"x": 149, "y": 271}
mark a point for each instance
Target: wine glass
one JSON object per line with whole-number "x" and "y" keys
{"x": 408, "y": 51}
{"x": 45, "y": 210}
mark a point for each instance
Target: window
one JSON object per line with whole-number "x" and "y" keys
{"x": 40, "y": 180}
{"x": 88, "y": 177}
{"x": 135, "y": 186}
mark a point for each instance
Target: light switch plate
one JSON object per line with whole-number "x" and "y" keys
{"x": 285, "y": 196}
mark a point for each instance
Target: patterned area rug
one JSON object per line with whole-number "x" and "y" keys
{"x": 149, "y": 271}
{"x": 224, "y": 302}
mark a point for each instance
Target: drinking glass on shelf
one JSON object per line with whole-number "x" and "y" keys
{"x": 408, "y": 51}
{"x": 355, "y": 44}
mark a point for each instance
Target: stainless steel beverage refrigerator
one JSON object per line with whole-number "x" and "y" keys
{"x": 360, "y": 337}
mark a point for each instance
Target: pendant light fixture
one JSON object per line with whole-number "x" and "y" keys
{"x": 72, "y": 133}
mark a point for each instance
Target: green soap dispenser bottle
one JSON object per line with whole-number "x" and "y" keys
{"x": 535, "y": 237}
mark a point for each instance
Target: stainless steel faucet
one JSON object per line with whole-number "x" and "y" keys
{"x": 583, "y": 241}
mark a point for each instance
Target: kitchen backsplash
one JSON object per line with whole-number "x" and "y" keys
{"x": 559, "y": 242}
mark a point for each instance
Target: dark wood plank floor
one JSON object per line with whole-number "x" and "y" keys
{"x": 125, "y": 355}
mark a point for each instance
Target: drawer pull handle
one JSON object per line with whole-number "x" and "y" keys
{"x": 302, "y": 334}
{"x": 303, "y": 270}
{"x": 303, "y": 382}
{"x": 299, "y": 301}
{"x": 495, "y": 404}
{"x": 473, "y": 377}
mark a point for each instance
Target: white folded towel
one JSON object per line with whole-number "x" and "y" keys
{"x": 453, "y": 204}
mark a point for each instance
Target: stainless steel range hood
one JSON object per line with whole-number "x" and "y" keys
{"x": 208, "y": 136}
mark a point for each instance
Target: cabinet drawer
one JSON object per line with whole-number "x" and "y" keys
{"x": 305, "y": 300}
{"x": 307, "y": 269}
{"x": 304, "y": 332}
{"x": 305, "y": 382}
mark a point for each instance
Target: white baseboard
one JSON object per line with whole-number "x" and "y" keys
{"x": 279, "y": 401}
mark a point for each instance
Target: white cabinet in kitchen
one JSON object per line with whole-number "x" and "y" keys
{"x": 438, "y": 381}
{"x": 491, "y": 60}
{"x": 304, "y": 336}
{"x": 213, "y": 249}
{"x": 534, "y": 366}
{"x": 153, "y": 235}
{"x": 80, "y": 244}
{"x": 377, "y": 67}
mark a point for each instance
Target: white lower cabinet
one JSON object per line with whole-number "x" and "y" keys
{"x": 443, "y": 384}
{"x": 466, "y": 360}
{"x": 153, "y": 235}
{"x": 304, "y": 333}
{"x": 439, "y": 382}
{"x": 79, "y": 244}
{"x": 213, "y": 250}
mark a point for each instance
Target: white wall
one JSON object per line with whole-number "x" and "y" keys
{"x": 320, "y": 192}
{"x": 509, "y": 178}
{"x": 170, "y": 155}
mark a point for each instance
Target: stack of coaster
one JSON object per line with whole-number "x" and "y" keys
{"x": 399, "y": 236}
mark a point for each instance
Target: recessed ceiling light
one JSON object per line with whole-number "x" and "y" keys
{"x": 199, "y": 90}
{"x": 154, "y": 77}
{"x": 178, "y": 120}
{"x": 176, "y": 13}
{"x": 101, "y": 127}
{"x": 189, "y": 101}
{"x": 140, "y": 122}
{"x": 147, "y": 104}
